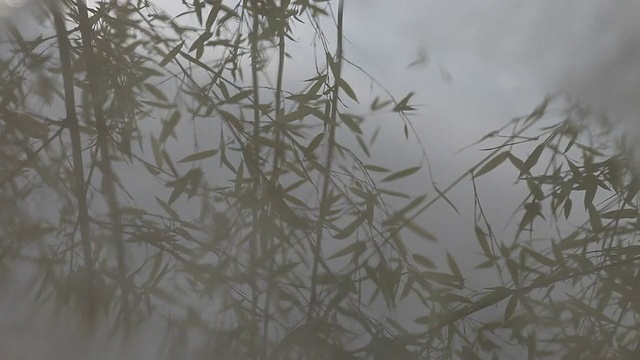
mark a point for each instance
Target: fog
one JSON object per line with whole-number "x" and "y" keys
{"x": 473, "y": 65}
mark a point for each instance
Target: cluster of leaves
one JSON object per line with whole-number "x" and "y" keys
{"x": 572, "y": 293}
{"x": 294, "y": 228}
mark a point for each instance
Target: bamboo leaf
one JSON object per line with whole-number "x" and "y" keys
{"x": 213, "y": 13}
{"x": 620, "y": 214}
{"x": 484, "y": 243}
{"x": 313, "y": 144}
{"x": 401, "y": 174}
{"x": 492, "y": 164}
{"x": 455, "y": 270}
{"x": 376, "y": 168}
{"x": 532, "y": 160}
{"x": 350, "y": 229}
{"x": 200, "y": 156}
{"x": 510, "y": 309}
{"x": 403, "y": 105}
{"x": 423, "y": 261}
{"x": 347, "y": 89}
{"x": 171, "y": 54}
{"x": 420, "y": 231}
{"x": 594, "y": 219}
{"x": 169, "y": 126}
{"x": 441, "y": 278}
{"x": 167, "y": 208}
{"x": 356, "y": 248}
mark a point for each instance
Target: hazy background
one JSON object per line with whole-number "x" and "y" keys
{"x": 478, "y": 64}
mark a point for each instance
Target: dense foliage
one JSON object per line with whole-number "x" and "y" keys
{"x": 273, "y": 233}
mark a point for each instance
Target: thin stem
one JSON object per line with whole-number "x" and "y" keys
{"x": 97, "y": 98}
{"x": 317, "y": 251}
{"x": 256, "y": 184}
{"x": 278, "y": 155}
{"x": 64, "y": 49}
{"x": 278, "y": 101}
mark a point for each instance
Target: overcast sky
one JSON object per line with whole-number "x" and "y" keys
{"x": 489, "y": 61}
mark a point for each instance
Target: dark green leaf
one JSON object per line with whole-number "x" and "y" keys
{"x": 401, "y": 174}
{"x": 350, "y": 229}
{"x": 492, "y": 164}
{"x": 172, "y": 54}
{"x": 166, "y": 207}
{"x": 356, "y": 248}
{"x": 511, "y": 307}
{"x": 347, "y": 89}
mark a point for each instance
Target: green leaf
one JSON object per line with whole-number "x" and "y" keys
{"x": 377, "y": 104}
{"x": 283, "y": 270}
{"x": 172, "y": 54}
{"x": 313, "y": 144}
{"x": 157, "y": 104}
{"x": 347, "y": 89}
{"x": 364, "y": 195}
{"x": 155, "y": 267}
{"x": 423, "y": 261}
{"x": 594, "y": 219}
{"x": 298, "y": 114}
{"x": 591, "y": 187}
{"x": 567, "y": 208}
{"x": 155, "y": 92}
{"x": 455, "y": 270}
{"x": 167, "y": 159}
{"x": 213, "y": 13}
{"x": 620, "y": 214}
{"x": 398, "y": 216}
{"x": 444, "y": 196}
{"x": 535, "y": 189}
{"x": 492, "y": 164}
{"x": 197, "y": 4}
{"x": 394, "y": 193}
{"x": 351, "y": 121}
{"x": 169, "y": 125}
{"x": 356, "y": 248}
{"x": 376, "y": 168}
{"x": 155, "y": 148}
{"x": 511, "y": 307}
{"x": 442, "y": 278}
{"x": 453, "y": 297}
{"x": 199, "y": 156}
{"x": 532, "y": 160}
{"x": 374, "y": 136}
{"x": 167, "y": 208}
{"x": 420, "y": 231}
{"x": 239, "y": 96}
{"x": 540, "y": 258}
{"x": 484, "y": 243}
{"x": 199, "y": 42}
{"x": 401, "y": 174}
{"x": 350, "y": 229}
{"x": 197, "y": 62}
{"x": 403, "y": 105}
{"x": 518, "y": 164}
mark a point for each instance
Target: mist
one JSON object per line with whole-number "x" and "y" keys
{"x": 473, "y": 65}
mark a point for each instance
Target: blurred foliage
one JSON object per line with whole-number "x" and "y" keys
{"x": 101, "y": 95}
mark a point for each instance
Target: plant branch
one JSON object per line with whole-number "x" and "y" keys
{"x": 97, "y": 97}
{"x": 317, "y": 251}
